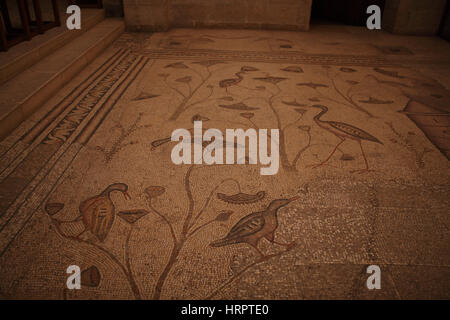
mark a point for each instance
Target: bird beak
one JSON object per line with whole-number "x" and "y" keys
{"x": 294, "y": 198}
{"x": 126, "y": 196}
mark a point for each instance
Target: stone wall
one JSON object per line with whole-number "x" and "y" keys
{"x": 113, "y": 8}
{"x": 159, "y": 15}
{"x": 415, "y": 17}
{"x": 146, "y": 15}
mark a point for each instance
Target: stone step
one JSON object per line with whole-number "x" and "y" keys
{"x": 25, "y": 93}
{"x": 27, "y": 53}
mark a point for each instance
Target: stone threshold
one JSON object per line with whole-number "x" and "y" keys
{"x": 26, "y": 54}
{"x": 25, "y": 93}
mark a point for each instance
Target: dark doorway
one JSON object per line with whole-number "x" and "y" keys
{"x": 349, "y": 12}
{"x": 88, "y": 3}
{"x": 444, "y": 31}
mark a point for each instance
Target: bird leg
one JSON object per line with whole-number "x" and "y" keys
{"x": 254, "y": 245}
{"x": 365, "y": 161}
{"x": 287, "y": 245}
{"x": 271, "y": 238}
{"x": 79, "y": 235}
{"x": 329, "y": 157}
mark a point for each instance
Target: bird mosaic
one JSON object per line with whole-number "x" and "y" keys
{"x": 255, "y": 226}
{"x": 98, "y": 212}
{"x": 343, "y": 131}
{"x": 226, "y": 83}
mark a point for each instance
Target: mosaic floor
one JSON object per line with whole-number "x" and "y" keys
{"x": 364, "y": 146}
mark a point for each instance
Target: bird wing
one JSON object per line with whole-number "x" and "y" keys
{"x": 247, "y": 226}
{"x": 98, "y": 216}
{"x": 354, "y": 131}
